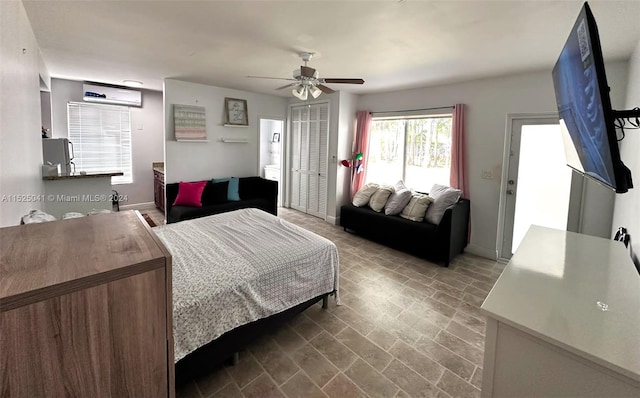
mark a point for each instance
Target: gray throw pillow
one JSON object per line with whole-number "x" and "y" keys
{"x": 361, "y": 198}
{"x": 379, "y": 198}
{"x": 443, "y": 197}
{"x": 416, "y": 208}
{"x": 397, "y": 202}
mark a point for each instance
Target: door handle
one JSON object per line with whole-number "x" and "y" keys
{"x": 509, "y": 192}
{"x": 511, "y": 182}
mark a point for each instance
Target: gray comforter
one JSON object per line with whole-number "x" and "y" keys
{"x": 234, "y": 268}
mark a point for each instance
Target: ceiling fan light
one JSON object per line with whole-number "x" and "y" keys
{"x": 315, "y": 91}
{"x": 300, "y": 92}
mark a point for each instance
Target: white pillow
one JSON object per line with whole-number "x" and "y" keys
{"x": 416, "y": 208}
{"x": 397, "y": 202}
{"x": 380, "y": 197}
{"x": 361, "y": 198}
{"x": 443, "y": 197}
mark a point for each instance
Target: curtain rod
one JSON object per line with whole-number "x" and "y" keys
{"x": 414, "y": 110}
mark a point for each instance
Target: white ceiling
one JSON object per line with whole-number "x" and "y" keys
{"x": 390, "y": 44}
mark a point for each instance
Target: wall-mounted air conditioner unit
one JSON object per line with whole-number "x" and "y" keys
{"x": 111, "y": 95}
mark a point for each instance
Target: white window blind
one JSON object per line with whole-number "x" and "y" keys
{"x": 101, "y": 137}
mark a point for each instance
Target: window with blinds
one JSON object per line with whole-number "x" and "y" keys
{"x": 101, "y": 137}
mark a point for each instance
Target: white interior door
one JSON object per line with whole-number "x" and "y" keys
{"x": 538, "y": 181}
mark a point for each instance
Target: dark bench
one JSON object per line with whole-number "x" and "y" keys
{"x": 439, "y": 243}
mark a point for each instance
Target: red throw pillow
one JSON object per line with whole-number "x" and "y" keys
{"x": 190, "y": 194}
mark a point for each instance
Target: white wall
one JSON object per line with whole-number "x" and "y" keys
{"x": 192, "y": 161}
{"x": 20, "y": 142}
{"x": 147, "y": 136}
{"x": 488, "y": 101}
{"x": 627, "y": 206}
{"x": 344, "y": 148}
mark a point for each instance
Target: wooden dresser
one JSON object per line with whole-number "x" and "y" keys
{"x": 85, "y": 309}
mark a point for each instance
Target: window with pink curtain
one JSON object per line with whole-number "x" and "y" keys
{"x": 458, "y": 178}
{"x": 360, "y": 145}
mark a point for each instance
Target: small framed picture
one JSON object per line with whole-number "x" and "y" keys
{"x": 276, "y": 137}
{"x": 235, "y": 112}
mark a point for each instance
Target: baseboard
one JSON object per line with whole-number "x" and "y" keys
{"x": 333, "y": 220}
{"x": 481, "y": 251}
{"x": 139, "y": 206}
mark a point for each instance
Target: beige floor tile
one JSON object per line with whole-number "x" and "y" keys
{"x": 335, "y": 351}
{"x": 300, "y": 386}
{"x": 354, "y": 319}
{"x": 382, "y": 338}
{"x": 326, "y": 320}
{"x": 423, "y": 365}
{"x": 366, "y": 349}
{"x": 246, "y": 370}
{"x": 450, "y": 290}
{"x": 446, "y": 358}
{"x": 342, "y": 387}
{"x": 288, "y": 339}
{"x": 460, "y": 347}
{"x": 231, "y": 390}
{"x": 262, "y": 387}
{"x": 370, "y": 380}
{"x": 305, "y": 327}
{"x": 476, "y": 379}
{"x": 470, "y": 322}
{"x": 446, "y": 299}
{"x": 457, "y": 387}
{"x": 315, "y": 365}
{"x": 409, "y": 381}
{"x": 466, "y": 334}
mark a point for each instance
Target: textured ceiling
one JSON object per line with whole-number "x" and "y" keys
{"x": 390, "y": 44}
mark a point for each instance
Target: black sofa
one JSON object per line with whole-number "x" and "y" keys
{"x": 254, "y": 192}
{"x": 439, "y": 243}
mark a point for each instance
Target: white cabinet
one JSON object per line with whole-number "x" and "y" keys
{"x": 309, "y": 146}
{"x": 564, "y": 320}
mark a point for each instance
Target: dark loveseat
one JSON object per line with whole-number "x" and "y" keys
{"x": 434, "y": 242}
{"x": 254, "y": 192}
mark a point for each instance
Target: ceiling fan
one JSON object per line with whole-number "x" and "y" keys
{"x": 308, "y": 81}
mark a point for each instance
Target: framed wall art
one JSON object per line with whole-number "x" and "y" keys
{"x": 235, "y": 112}
{"x": 189, "y": 123}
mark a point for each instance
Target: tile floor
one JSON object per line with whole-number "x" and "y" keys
{"x": 407, "y": 328}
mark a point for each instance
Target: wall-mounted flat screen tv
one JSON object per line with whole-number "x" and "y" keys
{"x": 586, "y": 117}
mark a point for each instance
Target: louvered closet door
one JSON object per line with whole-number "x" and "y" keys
{"x": 300, "y": 160}
{"x": 309, "y": 159}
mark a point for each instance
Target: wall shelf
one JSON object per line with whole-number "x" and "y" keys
{"x": 235, "y": 140}
{"x": 235, "y": 125}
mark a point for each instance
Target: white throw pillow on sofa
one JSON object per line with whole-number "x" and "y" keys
{"x": 380, "y": 197}
{"x": 418, "y": 205}
{"x": 362, "y": 197}
{"x": 443, "y": 197}
{"x": 398, "y": 199}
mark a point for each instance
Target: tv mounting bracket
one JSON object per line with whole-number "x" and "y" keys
{"x": 628, "y": 114}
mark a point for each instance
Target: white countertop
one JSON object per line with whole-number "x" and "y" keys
{"x": 555, "y": 286}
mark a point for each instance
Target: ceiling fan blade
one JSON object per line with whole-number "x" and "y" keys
{"x": 273, "y": 78}
{"x": 343, "y": 80}
{"x": 306, "y": 71}
{"x": 287, "y": 85}
{"x": 325, "y": 89}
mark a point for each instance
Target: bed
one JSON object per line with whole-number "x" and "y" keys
{"x": 237, "y": 272}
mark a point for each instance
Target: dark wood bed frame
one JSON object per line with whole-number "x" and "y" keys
{"x": 226, "y": 347}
